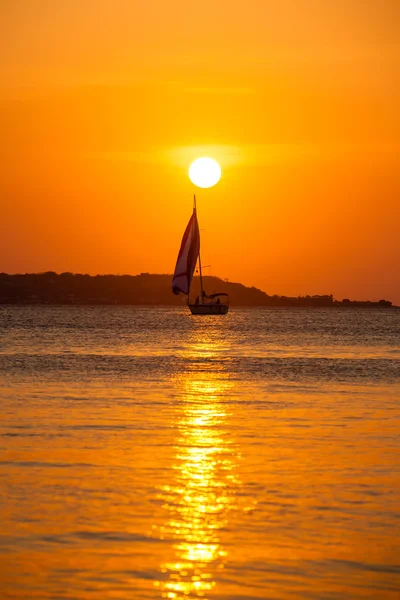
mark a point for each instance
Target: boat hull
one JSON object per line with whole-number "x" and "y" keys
{"x": 209, "y": 309}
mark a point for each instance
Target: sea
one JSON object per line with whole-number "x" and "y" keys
{"x": 146, "y": 453}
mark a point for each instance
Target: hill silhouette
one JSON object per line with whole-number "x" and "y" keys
{"x": 144, "y": 289}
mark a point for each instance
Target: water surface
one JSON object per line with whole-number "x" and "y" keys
{"x": 146, "y": 453}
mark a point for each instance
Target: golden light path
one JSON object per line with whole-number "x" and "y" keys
{"x": 202, "y": 491}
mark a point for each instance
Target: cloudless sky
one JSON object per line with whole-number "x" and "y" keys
{"x": 104, "y": 104}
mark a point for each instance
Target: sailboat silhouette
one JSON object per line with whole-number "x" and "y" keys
{"x": 189, "y": 253}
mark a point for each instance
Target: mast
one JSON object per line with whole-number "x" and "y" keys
{"x": 201, "y": 274}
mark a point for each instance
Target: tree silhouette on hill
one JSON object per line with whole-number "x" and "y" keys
{"x": 144, "y": 289}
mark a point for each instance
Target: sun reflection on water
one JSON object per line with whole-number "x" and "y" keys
{"x": 203, "y": 485}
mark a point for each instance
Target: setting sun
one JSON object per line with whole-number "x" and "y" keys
{"x": 204, "y": 172}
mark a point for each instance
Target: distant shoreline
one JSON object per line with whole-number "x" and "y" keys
{"x": 149, "y": 290}
{"x": 337, "y": 307}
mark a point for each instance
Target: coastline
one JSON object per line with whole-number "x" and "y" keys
{"x": 148, "y": 289}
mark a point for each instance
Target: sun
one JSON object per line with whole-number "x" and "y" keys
{"x": 204, "y": 172}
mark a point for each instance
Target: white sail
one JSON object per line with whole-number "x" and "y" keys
{"x": 187, "y": 257}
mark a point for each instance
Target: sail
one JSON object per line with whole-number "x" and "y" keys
{"x": 187, "y": 257}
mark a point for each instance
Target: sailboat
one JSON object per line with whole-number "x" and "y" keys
{"x": 189, "y": 253}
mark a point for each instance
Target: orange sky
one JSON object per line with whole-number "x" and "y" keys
{"x": 103, "y": 105}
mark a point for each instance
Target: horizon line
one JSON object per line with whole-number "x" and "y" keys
{"x": 146, "y": 273}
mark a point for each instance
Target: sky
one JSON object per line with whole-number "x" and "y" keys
{"x": 104, "y": 104}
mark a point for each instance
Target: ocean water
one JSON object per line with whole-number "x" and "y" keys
{"x": 146, "y": 454}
